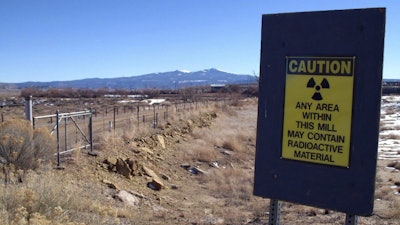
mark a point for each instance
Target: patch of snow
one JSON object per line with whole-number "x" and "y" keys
{"x": 389, "y": 144}
{"x": 153, "y": 101}
{"x": 191, "y": 81}
{"x": 127, "y": 101}
{"x": 184, "y": 71}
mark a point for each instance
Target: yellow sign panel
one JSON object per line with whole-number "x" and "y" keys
{"x": 318, "y": 109}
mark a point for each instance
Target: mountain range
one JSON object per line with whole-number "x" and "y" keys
{"x": 165, "y": 80}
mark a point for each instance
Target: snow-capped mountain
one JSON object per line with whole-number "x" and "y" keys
{"x": 165, "y": 80}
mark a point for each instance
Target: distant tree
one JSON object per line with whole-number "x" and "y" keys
{"x": 234, "y": 88}
{"x": 31, "y": 91}
{"x": 151, "y": 93}
{"x": 188, "y": 94}
{"x": 256, "y": 76}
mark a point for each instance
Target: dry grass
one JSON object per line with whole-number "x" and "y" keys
{"x": 199, "y": 150}
{"x": 384, "y": 193}
{"x": 54, "y": 197}
{"x": 394, "y": 211}
{"x": 44, "y": 197}
{"x": 224, "y": 133}
{"x": 219, "y": 196}
{"x": 233, "y": 183}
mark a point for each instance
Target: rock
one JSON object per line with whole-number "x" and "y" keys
{"x": 156, "y": 184}
{"x": 127, "y": 198}
{"x": 196, "y": 170}
{"x": 144, "y": 149}
{"x": 211, "y": 219}
{"x": 161, "y": 141}
{"x": 395, "y": 164}
{"x": 133, "y": 165}
{"x": 135, "y": 150}
{"x": 165, "y": 177}
{"x": 123, "y": 168}
{"x": 311, "y": 213}
{"x": 110, "y": 184}
{"x": 149, "y": 172}
{"x": 214, "y": 164}
{"x": 227, "y": 152}
{"x": 185, "y": 166}
{"x": 110, "y": 160}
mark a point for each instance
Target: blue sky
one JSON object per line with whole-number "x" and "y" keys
{"x": 48, "y": 40}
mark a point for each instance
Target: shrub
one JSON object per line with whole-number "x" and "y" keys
{"x": 22, "y": 146}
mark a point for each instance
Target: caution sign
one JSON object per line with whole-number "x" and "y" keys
{"x": 318, "y": 109}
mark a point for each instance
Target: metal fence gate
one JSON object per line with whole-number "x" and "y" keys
{"x": 79, "y": 124}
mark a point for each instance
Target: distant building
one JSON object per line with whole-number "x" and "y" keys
{"x": 391, "y": 86}
{"x": 217, "y": 87}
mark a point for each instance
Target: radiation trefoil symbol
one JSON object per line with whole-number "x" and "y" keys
{"x": 312, "y": 84}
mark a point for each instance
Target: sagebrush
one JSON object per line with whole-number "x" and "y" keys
{"x": 22, "y": 146}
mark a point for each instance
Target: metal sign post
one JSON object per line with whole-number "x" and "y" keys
{"x": 351, "y": 219}
{"x": 274, "y": 212}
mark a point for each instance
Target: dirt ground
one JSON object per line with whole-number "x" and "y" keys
{"x": 190, "y": 197}
{"x": 195, "y": 171}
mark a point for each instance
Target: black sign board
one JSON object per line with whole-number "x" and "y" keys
{"x": 319, "y": 108}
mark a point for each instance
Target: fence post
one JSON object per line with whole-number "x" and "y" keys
{"x": 65, "y": 134}
{"x": 2, "y": 117}
{"x": 28, "y": 108}
{"x": 115, "y": 109}
{"x": 91, "y": 130}
{"x": 137, "y": 115}
{"x": 58, "y": 139}
{"x": 156, "y": 121}
{"x": 166, "y": 118}
{"x": 154, "y": 116}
